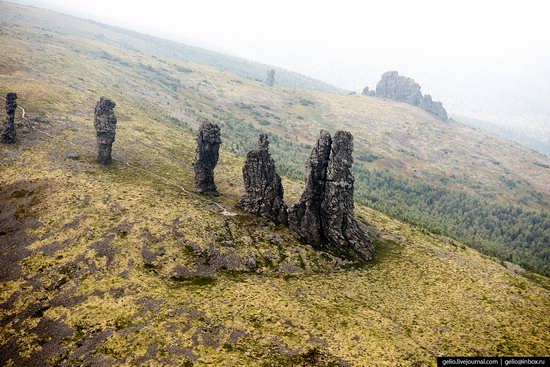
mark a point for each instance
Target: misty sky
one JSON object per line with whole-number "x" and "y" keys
{"x": 484, "y": 59}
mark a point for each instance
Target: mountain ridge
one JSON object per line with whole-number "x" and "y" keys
{"x": 169, "y": 48}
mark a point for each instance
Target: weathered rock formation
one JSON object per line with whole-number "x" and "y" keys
{"x": 270, "y": 78}
{"x": 435, "y": 108}
{"x": 403, "y": 89}
{"x": 305, "y": 216}
{"x": 324, "y": 213}
{"x": 206, "y": 158}
{"x": 105, "y": 128}
{"x": 263, "y": 188}
{"x": 339, "y": 224}
{"x": 368, "y": 92}
{"x": 8, "y": 132}
{"x": 399, "y": 88}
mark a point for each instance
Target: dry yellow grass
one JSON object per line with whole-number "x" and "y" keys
{"x": 86, "y": 294}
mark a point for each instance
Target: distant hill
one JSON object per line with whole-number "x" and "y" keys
{"x": 527, "y": 136}
{"x": 159, "y": 47}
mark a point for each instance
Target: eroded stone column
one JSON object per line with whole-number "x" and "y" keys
{"x": 263, "y": 188}
{"x": 324, "y": 212}
{"x": 8, "y": 132}
{"x": 305, "y": 216}
{"x": 206, "y": 158}
{"x": 340, "y": 227}
{"x": 105, "y": 127}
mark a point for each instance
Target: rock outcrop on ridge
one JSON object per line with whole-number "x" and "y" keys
{"x": 8, "y": 135}
{"x": 324, "y": 212}
{"x": 433, "y": 107}
{"x": 105, "y": 127}
{"x": 403, "y": 89}
{"x": 263, "y": 188}
{"x": 206, "y": 158}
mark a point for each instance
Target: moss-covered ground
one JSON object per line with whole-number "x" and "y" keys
{"x": 114, "y": 266}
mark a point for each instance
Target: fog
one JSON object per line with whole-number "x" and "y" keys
{"x": 483, "y": 59}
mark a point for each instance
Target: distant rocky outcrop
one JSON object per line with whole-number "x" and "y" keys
{"x": 324, "y": 212}
{"x": 399, "y": 88}
{"x": 270, "y": 80}
{"x": 403, "y": 89}
{"x": 8, "y": 132}
{"x": 105, "y": 127}
{"x": 263, "y": 188}
{"x": 206, "y": 158}
{"x": 368, "y": 92}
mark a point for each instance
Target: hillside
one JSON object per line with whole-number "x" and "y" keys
{"x": 408, "y": 163}
{"x": 534, "y": 136}
{"x": 116, "y": 266}
{"x": 140, "y": 42}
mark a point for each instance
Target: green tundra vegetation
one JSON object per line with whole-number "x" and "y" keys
{"x": 116, "y": 266}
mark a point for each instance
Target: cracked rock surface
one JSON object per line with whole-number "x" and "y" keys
{"x": 324, "y": 212}
{"x": 305, "y": 215}
{"x": 340, "y": 227}
{"x": 8, "y": 132}
{"x": 263, "y": 188}
{"x": 206, "y": 158}
{"x": 105, "y": 127}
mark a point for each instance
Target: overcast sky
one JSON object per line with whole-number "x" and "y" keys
{"x": 482, "y": 58}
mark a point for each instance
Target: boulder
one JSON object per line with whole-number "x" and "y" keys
{"x": 368, "y": 92}
{"x": 435, "y": 108}
{"x": 399, "y": 88}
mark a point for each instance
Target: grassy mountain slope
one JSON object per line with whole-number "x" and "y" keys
{"x": 131, "y": 40}
{"x": 408, "y": 164}
{"x": 115, "y": 266}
